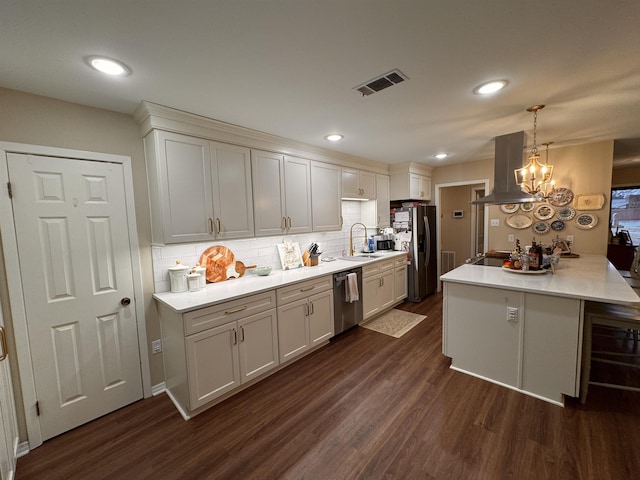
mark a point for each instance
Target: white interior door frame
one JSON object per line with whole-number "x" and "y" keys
{"x": 438, "y": 202}
{"x": 14, "y": 276}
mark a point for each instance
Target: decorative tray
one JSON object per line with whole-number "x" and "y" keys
{"x": 526, "y": 272}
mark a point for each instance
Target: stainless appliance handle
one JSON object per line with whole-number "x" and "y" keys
{"x": 427, "y": 238}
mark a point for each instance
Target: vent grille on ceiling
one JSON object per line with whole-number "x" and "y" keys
{"x": 383, "y": 81}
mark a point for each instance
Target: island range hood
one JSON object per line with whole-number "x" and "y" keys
{"x": 508, "y": 157}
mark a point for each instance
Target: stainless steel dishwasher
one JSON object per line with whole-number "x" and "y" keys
{"x": 346, "y": 314}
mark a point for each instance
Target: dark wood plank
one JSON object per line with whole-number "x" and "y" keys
{"x": 365, "y": 406}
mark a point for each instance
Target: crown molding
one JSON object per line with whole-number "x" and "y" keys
{"x": 152, "y": 116}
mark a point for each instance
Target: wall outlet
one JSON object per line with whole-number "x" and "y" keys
{"x": 569, "y": 238}
{"x": 512, "y": 314}
{"x": 156, "y": 346}
{"x": 511, "y": 238}
{"x": 495, "y": 222}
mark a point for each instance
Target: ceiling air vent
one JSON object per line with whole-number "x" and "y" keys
{"x": 381, "y": 82}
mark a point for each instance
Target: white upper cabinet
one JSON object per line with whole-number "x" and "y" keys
{"x": 326, "y": 206}
{"x": 233, "y": 199}
{"x": 180, "y": 190}
{"x": 375, "y": 213}
{"x": 410, "y": 181}
{"x": 281, "y": 193}
{"x": 199, "y": 190}
{"x": 357, "y": 184}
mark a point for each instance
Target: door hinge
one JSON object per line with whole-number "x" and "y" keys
{"x": 37, "y": 408}
{"x": 10, "y": 189}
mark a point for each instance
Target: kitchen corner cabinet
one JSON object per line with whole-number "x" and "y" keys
{"x": 375, "y": 213}
{"x": 281, "y": 194}
{"x": 410, "y": 181}
{"x": 326, "y": 204}
{"x": 214, "y": 350}
{"x": 378, "y": 287}
{"x": 199, "y": 190}
{"x": 357, "y": 184}
{"x": 305, "y": 316}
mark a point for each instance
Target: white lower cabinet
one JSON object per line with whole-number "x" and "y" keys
{"x": 222, "y": 358}
{"x": 378, "y": 287}
{"x": 400, "y": 279}
{"x": 213, "y": 350}
{"x": 305, "y": 316}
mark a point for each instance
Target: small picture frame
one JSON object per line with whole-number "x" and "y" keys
{"x": 458, "y": 213}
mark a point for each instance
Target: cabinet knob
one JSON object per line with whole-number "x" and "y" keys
{"x": 126, "y": 301}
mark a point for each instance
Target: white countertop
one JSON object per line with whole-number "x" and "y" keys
{"x": 251, "y": 283}
{"x": 590, "y": 277}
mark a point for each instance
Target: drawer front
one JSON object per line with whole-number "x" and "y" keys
{"x": 386, "y": 264}
{"x": 400, "y": 260}
{"x": 216, "y": 315}
{"x": 370, "y": 269}
{"x": 304, "y": 289}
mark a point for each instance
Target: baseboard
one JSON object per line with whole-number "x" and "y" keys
{"x": 22, "y": 450}
{"x": 158, "y": 389}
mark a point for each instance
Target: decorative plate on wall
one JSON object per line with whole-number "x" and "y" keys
{"x": 543, "y": 212}
{"x": 565, "y": 213}
{"x": 527, "y": 206}
{"x": 557, "y": 225}
{"x": 541, "y": 227}
{"x": 560, "y": 197}
{"x": 509, "y": 207}
{"x": 589, "y": 201}
{"x": 519, "y": 221}
{"x": 586, "y": 221}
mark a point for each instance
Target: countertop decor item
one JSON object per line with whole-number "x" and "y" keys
{"x": 217, "y": 260}
{"x": 263, "y": 270}
{"x": 178, "y": 277}
{"x": 290, "y": 255}
{"x": 526, "y": 272}
{"x": 586, "y": 221}
{"x": 241, "y": 267}
{"x": 589, "y": 201}
{"x": 519, "y": 221}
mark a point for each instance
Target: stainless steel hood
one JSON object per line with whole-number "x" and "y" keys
{"x": 508, "y": 157}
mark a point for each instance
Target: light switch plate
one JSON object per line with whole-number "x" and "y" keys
{"x": 511, "y": 238}
{"x": 156, "y": 346}
{"x": 495, "y": 222}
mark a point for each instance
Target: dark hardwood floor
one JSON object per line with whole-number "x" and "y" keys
{"x": 367, "y": 406}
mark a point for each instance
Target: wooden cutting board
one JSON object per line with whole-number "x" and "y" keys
{"x": 217, "y": 260}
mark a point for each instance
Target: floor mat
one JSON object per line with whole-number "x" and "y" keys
{"x": 394, "y": 323}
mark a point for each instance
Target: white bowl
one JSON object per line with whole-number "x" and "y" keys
{"x": 263, "y": 270}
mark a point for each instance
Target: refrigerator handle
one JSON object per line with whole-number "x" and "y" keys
{"x": 427, "y": 237}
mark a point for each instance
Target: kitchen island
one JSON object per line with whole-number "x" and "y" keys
{"x": 524, "y": 331}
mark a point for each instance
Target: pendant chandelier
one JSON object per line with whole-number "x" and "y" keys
{"x": 535, "y": 177}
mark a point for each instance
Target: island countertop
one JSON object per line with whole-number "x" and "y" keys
{"x": 590, "y": 277}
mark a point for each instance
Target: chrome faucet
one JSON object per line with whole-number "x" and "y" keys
{"x": 351, "y": 252}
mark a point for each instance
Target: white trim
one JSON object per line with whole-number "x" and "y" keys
{"x": 159, "y": 388}
{"x": 14, "y": 279}
{"x": 437, "y": 202}
{"x": 23, "y": 449}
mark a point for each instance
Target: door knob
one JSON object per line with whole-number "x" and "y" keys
{"x": 125, "y": 301}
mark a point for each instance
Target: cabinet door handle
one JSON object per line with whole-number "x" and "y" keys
{"x": 242, "y": 334}
{"x": 235, "y": 337}
{"x": 306, "y": 309}
{"x": 3, "y": 343}
{"x": 341, "y": 221}
{"x": 311, "y": 307}
{"x": 289, "y": 221}
{"x": 219, "y": 223}
{"x": 211, "y": 226}
{"x": 235, "y": 310}
{"x": 307, "y": 288}
{"x": 284, "y": 223}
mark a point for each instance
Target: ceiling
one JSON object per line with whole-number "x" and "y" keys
{"x": 289, "y": 67}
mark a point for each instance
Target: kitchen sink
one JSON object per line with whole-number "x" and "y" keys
{"x": 360, "y": 258}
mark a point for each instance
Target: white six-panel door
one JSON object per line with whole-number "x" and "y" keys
{"x": 73, "y": 246}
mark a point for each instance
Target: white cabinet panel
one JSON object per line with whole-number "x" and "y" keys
{"x": 293, "y": 329}
{"x": 326, "y": 204}
{"x": 321, "y": 325}
{"x": 258, "y": 344}
{"x": 357, "y": 184}
{"x": 297, "y": 194}
{"x": 375, "y": 213}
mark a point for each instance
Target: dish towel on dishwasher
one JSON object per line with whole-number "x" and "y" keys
{"x": 351, "y": 290}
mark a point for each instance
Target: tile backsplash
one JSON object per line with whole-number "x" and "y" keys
{"x": 258, "y": 250}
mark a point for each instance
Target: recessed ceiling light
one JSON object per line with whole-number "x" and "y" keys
{"x": 440, "y": 156}
{"x": 334, "y": 137}
{"x": 108, "y": 66}
{"x": 490, "y": 87}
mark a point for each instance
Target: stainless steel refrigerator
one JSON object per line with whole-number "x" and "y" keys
{"x": 423, "y": 269}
